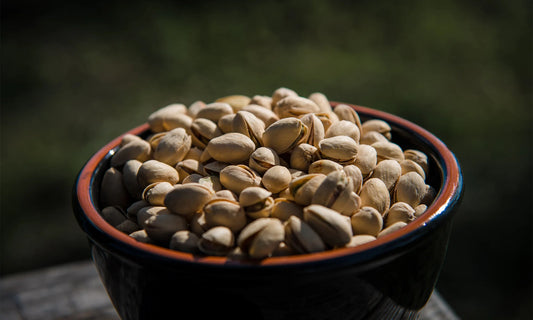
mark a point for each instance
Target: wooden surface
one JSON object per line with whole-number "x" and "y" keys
{"x": 74, "y": 292}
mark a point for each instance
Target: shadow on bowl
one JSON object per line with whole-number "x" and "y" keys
{"x": 389, "y": 278}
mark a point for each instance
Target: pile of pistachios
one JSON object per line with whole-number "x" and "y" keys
{"x": 250, "y": 178}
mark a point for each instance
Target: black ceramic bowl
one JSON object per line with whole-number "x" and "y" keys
{"x": 391, "y": 277}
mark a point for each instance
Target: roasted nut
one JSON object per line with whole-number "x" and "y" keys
{"x": 238, "y": 177}
{"x": 231, "y": 148}
{"x": 127, "y": 227}
{"x": 300, "y": 237}
{"x": 410, "y": 165}
{"x": 303, "y": 188}
{"x": 355, "y": 175}
{"x": 366, "y": 159}
{"x": 378, "y": 126}
{"x": 263, "y": 159}
{"x": 129, "y": 178}
{"x": 198, "y": 224}
{"x": 195, "y": 107}
{"x": 374, "y": 193}
{"x": 155, "y": 193}
{"x": 321, "y": 101}
{"x": 147, "y": 212}
{"x": 344, "y": 128}
{"x": 256, "y": 202}
{"x": 173, "y": 147}
{"x": 202, "y": 131}
{"x": 223, "y": 212}
{"x": 341, "y": 149}
{"x": 226, "y": 194}
{"x": 334, "y": 228}
{"x": 263, "y": 101}
{"x": 137, "y": 149}
{"x": 127, "y": 138}
{"x": 141, "y": 236}
{"x": 283, "y": 209}
{"x": 112, "y": 190}
{"x": 345, "y": 112}
{"x": 113, "y": 215}
{"x": 285, "y": 134}
{"x": 266, "y": 115}
{"x": 372, "y": 137}
{"x": 302, "y": 156}
{"x": 133, "y": 209}
{"x": 237, "y": 101}
{"x": 276, "y": 179}
{"x": 214, "y": 168}
{"x": 388, "y": 150}
{"x": 261, "y": 237}
{"x": 153, "y": 171}
{"x": 429, "y": 196}
{"x": 192, "y": 178}
{"x": 161, "y": 227}
{"x": 184, "y": 241}
{"x": 367, "y": 220}
{"x": 249, "y": 125}
{"x": 417, "y": 156}
{"x": 388, "y": 171}
{"x": 217, "y": 241}
{"x": 420, "y": 209}
{"x": 214, "y": 111}
{"x": 212, "y": 182}
{"x": 225, "y": 123}
{"x": 169, "y": 117}
{"x": 315, "y": 129}
{"x": 327, "y": 119}
{"x": 188, "y": 167}
{"x": 360, "y": 239}
{"x": 324, "y": 166}
{"x": 400, "y": 211}
{"x": 186, "y": 199}
{"x": 336, "y": 192}
{"x": 410, "y": 189}
{"x": 281, "y": 93}
{"x": 392, "y": 228}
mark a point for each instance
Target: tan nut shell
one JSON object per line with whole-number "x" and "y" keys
{"x": 410, "y": 165}
{"x": 324, "y": 166}
{"x": 284, "y": 208}
{"x": 334, "y": 228}
{"x": 367, "y": 220}
{"x": 137, "y": 149}
{"x": 263, "y": 159}
{"x": 262, "y": 101}
{"x": 360, "y": 239}
{"x": 237, "y": 101}
{"x": 321, "y": 101}
{"x": 155, "y": 193}
{"x": 225, "y": 123}
{"x": 388, "y": 150}
{"x": 214, "y": 111}
{"x": 285, "y": 134}
{"x": 112, "y": 190}
{"x": 217, "y": 241}
{"x": 186, "y": 199}
{"x": 253, "y": 195}
{"x": 418, "y": 157}
{"x": 374, "y": 193}
{"x": 397, "y": 226}
{"x": 249, "y": 125}
{"x": 344, "y": 128}
{"x": 223, "y": 212}
{"x": 161, "y": 227}
{"x": 315, "y": 129}
{"x": 301, "y": 238}
{"x": 388, "y": 171}
{"x": 378, "y": 126}
{"x": 341, "y": 149}
{"x": 261, "y": 237}
{"x": 345, "y": 112}
{"x": 281, "y": 93}
{"x": 146, "y": 212}
{"x": 302, "y": 156}
{"x": 169, "y": 117}
{"x": 156, "y": 171}
{"x": 355, "y": 175}
{"x": 202, "y": 131}
{"x": 372, "y": 137}
{"x": 276, "y": 179}
{"x": 367, "y": 158}
{"x": 266, "y": 115}
{"x": 410, "y": 189}
{"x": 113, "y": 215}
{"x": 184, "y": 241}
{"x": 173, "y": 147}
{"x": 238, "y": 177}
{"x": 129, "y": 177}
{"x": 303, "y": 188}
{"x": 400, "y": 211}
{"x": 231, "y": 148}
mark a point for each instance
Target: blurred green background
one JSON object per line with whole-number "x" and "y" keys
{"x": 76, "y": 75}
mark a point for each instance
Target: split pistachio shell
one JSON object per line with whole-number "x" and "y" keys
{"x": 400, "y": 211}
{"x": 237, "y": 101}
{"x": 410, "y": 165}
{"x": 303, "y": 188}
{"x": 161, "y": 227}
{"x": 410, "y": 189}
{"x": 315, "y": 129}
{"x": 378, "y": 126}
{"x": 188, "y": 167}
{"x": 217, "y": 241}
{"x": 192, "y": 178}
{"x": 263, "y": 101}
{"x": 214, "y": 111}
{"x": 341, "y": 149}
{"x": 281, "y": 93}
{"x": 261, "y": 237}
{"x": 263, "y": 159}
{"x": 223, "y": 212}
{"x": 417, "y": 156}
{"x": 133, "y": 150}
{"x": 238, "y": 177}
{"x": 231, "y": 148}
{"x": 355, "y": 175}
{"x": 266, "y": 115}
{"x": 184, "y": 241}
{"x": 153, "y": 171}
{"x": 324, "y": 166}
{"x": 345, "y": 112}
{"x": 129, "y": 178}
{"x": 141, "y": 236}
{"x": 321, "y": 101}
{"x": 276, "y": 179}
{"x": 327, "y": 119}
{"x": 395, "y": 227}
{"x": 334, "y": 228}
{"x": 194, "y": 154}
{"x": 214, "y": 168}
{"x": 202, "y": 131}
{"x": 169, "y": 117}
{"x": 285, "y": 134}
{"x": 155, "y": 193}
{"x": 186, "y": 199}
{"x": 374, "y": 193}
{"x": 367, "y": 220}
{"x": 225, "y": 123}
{"x": 367, "y": 159}
{"x": 372, "y": 137}
{"x": 300, "y": 237}
{"x": 282, "y": 250}
{"x": 302, "y": 156}
{"x": 360, "y": 239}
{"x": 336, "y": 192}
{"x": 133, "y": 209}
{"x": 195, "y": 107}
{"x": 198, "y": 224}
{"x": 226, "y": 194}
{"x": 249, "y": 125}
{"x": 112, "y": 190}
{"x": 147, "y": 212}
{"x": 113, "y": 215}
{"x": 257, "y": 202}
{"x": 344, "y": 128}
{"x": 388, "y": 150}
{"x": 173, "y": 147}
{"x": 283, "y": 209}
{"x": 388, "y": 171}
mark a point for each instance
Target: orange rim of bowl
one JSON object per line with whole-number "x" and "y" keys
{"x": 450, "y": 187}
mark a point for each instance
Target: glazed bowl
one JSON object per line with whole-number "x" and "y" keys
{"x": 391, "y": 277}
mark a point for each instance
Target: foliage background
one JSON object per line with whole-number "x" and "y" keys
{"x": 75, "y": 75}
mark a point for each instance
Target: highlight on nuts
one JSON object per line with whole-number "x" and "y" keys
{"x": 261, "y": 176}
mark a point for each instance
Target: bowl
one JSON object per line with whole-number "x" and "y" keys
{"x": 391, "y": 277}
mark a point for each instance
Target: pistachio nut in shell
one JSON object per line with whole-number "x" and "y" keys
{"x": 285, "y": 134}
{"x": 367, "y": 220}
{"x": 281, "y": 93}
{"x": 388, "y": 171}
{"x": 399, "y": 211}
{"x": 217, "y": 241}
{"x": 395, "y": 227}
{"x": 133, "y": 150}
{"x": 156, "y": 192}
{"x": 300, "y": 237}
{"x": 173, "y": 147}
{"x": 374, "y": 193}
{"x": 129, "y": 178}
{"x": 236, "y": 101}
{"x": 127, "y": 227}
{"x": 127, "y": 138}
{"x": 156, "y": 171}
{"x": 202, "y": 131}
{"x": 303, "y": 188}
{"x": 341, "y": 149}
{"x": 161, "y": 227}
{"x": 321, "y": 101}
{"x": 248, "y": 124}
{"x": 276, "y": 179}
{"x": 231, "y": 148}
{"x": 410, "y": 189}
{"x": 238, "y": 177}
{"x": 372, "y": 137}
{"x": 184, "y": 241}
{"x": 186, "y": 199}
{"x": 263, "y": 159}
{"x": 360, "y": 239}
{"x": 141, "y": 236}
{"x": 256, "y": 202}
{"x": 367, "y": 159}
{"x": 410, "y": 165}
{"x": 324, "y": 166}
{"x": 334, "y": 228}
{"x": 189, "y": 166}
{"x": 261, "y": 237}
{"x": 225, "y": 123}
{"x": 420, "y": 209}
{"x": 133, "y": 209}
{"x": 418, "y": 157}
{"x": 295, "y": 107}
{"x": 388, "y": 150}
{"x": 344, "y": 128}
{"x": 266, "y": 115}
{"x": 336, "y": 192}
{"x": 355, "y": 175}
{"x": 284, "y": 208}
{"x": 262, "y": 101}
{"x": 195, "y": 107}
{"x": 169, "y": 117}
{"x": 112, "y": 190}
{"x": 113, "y": 215}
{"x": 345, "y": 112}
{"x": 327, "y": 119}
{"x": 378, "y": 126}
{"x": 315, "y": 128}
{"x": 214, "y": 111}
{"x": 302, "y": 156}
{"x": 197, "y": 223}
{"x": 223, "y": 212}
{"x": 147, "y": 212}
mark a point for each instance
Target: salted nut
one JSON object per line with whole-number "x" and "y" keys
{"x": 184, "y": 241}
{"x": 266, "y": 115}
{"x": 249, "y": 125}
{"x": 345, "y": 112}
{"x": 202, "y": 131}
{"x": 341, "y": 149}
{"x": 285, "y": 134}
{"x": 263, "y": 159}
{"x": 295, "y": 107}
{"x": 276, "y": 179}
{"x": 284, "y": 208}
{"x": 238, "y": 177}
{"x": 217, "y": 241}
{"x": 256, "y": 202}
{"x": 344, "y": 128}
{"x": 378, "y": 126}
{"x": 173, "y": 147}
{"x": 302, "y": 189}
{"x": 224, "y": 212}
{"x": 186, "y": 199}
{"x": 333, "y": 228}
{"x": 300, "y": 237}
{"x": 367, "y": 220}
{"x": 400, "y": 211}
{"x": 261, "y": 237}
{"x": 336, "y": 192}
{"x": 161, "y": 227}
{"x": 237, "y": 101}
{"x": 315, "y": 129}
{"x": 388, "y": 171}
{"x": 169, "y": 117}
{"x": 374, "y": 193}
{"x": 410, "y": 189}
{"x": 214, "y": 111}
{"x": 321, "y": 101}
{"x": 137, "y": 149}
{"x": 303, "y": 155}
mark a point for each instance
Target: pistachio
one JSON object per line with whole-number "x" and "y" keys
{"x": 217, "y": 241}
{"x": 345, "y": 112}
{"x": 226, "y": 194}
{"x": 237, "y": 101}
{"x": 417, "y": 156}
{"x": 129, "y": 178}
{"x": 334, "y": 228}
{"x": 315, "y": 129}
{"x": 214, "y": 168}
{"x": 156, "y": 171}
{"x": 261, "y": 237}
{"x": 360, "y": 239}
{"x": 127, "y": 138}
{"x": 225, "y": 123}
{"x": 231, "y": 148}
{"x": 281, "y": 93}
{"x": 263, "y": 159}
{"x": 395, "y": 227}
{"x": 284, "y": 208}
{"x": 266, "y": 115}
{"x": 374, "y": 193}
{"x": 300, "y": 237}
{"x": 214, "y": 111}
{"x": 282, "y": 250}
{"x": 327, "y": 119}
{"x": 141, "y": 236}
{"x": 147, "y": 212}
{"x": 400, "y": 211}
{"x": 420, "y": 209}
{"x": 410, "y": 189}
{"x": 321, "y": 101}
{"x": 263, "y": 101}
{"x": 192, "y": 178}
{"x": 344, "y": 128}
{"x": 223, "y": 212}
{"x": 133, "y": 209}
{"x": 285, "y": 134}
{"x": 169, "y": 117}
{"x": 388, "y": 171}
{"x": 186, "y": 199}
{"x": 372, "y": 137}
{"x": 249, "y": 125}
{"x": 429, "y": 195}
{"x": 161, "y": 227}
{"x": 155, "y": 193}
{"x": 342, "y": 149}
{"x": 194, "y": 154}
{"x": 198, "y": 224}
{"x": 388, "y": 150}
{"x": 302, "y": 156}
{"x": 410, "y": 165}
{"x": 276, "y": 179}
{"x": 257, "y": 202}
{"x": 378, "y": 126}
{"x": 133, "y": 150}
{"x": 238, "y": 177}
{"x": 355, "y": 175}
{"x": 113, "y": 215}
{"x": 202, "y": 131}
{"x": 367, "y": 220}
{"x": 212, "y": 182}
{"x": 336, "y": 192}
{"x": 173, "y": 147}
{"x": 295, "y": 107}
{"x": 187, "y": 167}
{"x": 112, "y": 190}
{"x": 367, "y": 158}
{"x": 184, "y": 241}
{"x": 127, "y": 227}
{"x": 303, "y": 188}
{"x": 195, "y": 107}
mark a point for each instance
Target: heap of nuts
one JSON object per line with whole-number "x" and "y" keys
{"x": 251, "y": 178}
